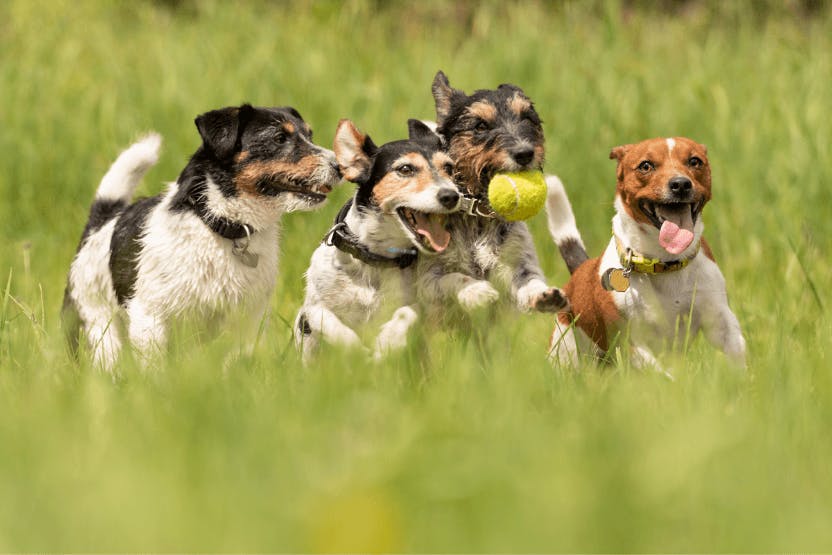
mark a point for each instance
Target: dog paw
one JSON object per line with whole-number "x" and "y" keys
{"x": 551, "y": 300}
{"x": 477, "y": 294}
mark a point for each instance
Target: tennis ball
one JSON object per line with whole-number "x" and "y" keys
{"x": 517, "y": 195}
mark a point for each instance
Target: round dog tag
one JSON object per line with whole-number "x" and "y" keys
{"x": 614, "y": 279}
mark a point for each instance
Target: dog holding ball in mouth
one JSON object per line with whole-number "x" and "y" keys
{"x": 657, "y": 276}
{"x": 495, "y": 138}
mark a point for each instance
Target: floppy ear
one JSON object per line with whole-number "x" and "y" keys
{"x": 421, "y": 132}
{"x": 353, "y": 151}
{"x": 443, "y": 94}
{"x": 220, "y": 129}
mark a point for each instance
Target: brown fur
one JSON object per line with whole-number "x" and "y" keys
{"x": 519, "y": 104}
{"x": 393, "y": 186}
{"x": 357, "y": 165}
{"x": 634, "y": 185}
{"x": 246, "y": 180}
{"x": 594, "y": 305}
{"x": 472, "y": 158}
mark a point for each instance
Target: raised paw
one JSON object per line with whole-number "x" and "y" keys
{"x": 550, "y": 300}
{"x": 477, "y": 294}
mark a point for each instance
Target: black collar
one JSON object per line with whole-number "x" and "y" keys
{"x": 341, "y": 237}
{"x": 221, "y": 226}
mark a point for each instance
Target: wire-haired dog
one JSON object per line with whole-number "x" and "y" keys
{"x": 405, "y": 191}
{"x": 487, "y": 132}
{"x": 206, "y": 246}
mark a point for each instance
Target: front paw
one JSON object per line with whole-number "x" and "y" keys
{"x": 550, "y": 300}
{"x": 477, "y": 294}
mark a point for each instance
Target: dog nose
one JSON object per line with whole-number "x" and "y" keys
{"x": 680, "y": 186}
{"x": 523, "y": 156}
{"x": 448, "y": 197}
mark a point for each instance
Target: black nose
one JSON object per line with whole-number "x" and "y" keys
{"x": 448, "y": 197}
{"x": 523, "y": 156}
{"x": 680, "y": 186}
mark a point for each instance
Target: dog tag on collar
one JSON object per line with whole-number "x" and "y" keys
{"x": 239, "y": 248}
{"x": 615, "y": 279}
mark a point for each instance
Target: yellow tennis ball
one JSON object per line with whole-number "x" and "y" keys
{"x": 517, "y": 195}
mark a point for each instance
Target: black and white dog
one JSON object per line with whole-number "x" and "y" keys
{"x": 405, "y": 192}
{"x": 207, "y": 246}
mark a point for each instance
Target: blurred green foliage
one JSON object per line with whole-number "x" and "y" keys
{"x": 466, "y": 442}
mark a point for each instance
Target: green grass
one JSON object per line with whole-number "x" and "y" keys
{"x": 462, "y": 443}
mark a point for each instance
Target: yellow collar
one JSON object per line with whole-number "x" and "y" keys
{"x": 633, "y": 261}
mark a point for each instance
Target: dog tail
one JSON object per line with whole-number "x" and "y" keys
{"x": 562, "y": 225}
{"x": 124, "y": 175}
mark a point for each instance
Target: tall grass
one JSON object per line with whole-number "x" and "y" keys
{"x": 463, "y": 442}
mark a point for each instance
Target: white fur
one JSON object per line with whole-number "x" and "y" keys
{"x": 129, "y": 168}
{"x": 561, "y": 219}
{"x": 660, "y": 309}
{"x": 184, "y": 268}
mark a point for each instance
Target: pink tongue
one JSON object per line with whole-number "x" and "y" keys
{"x": 673, "y": 238}
{"x": 433, "y": 227}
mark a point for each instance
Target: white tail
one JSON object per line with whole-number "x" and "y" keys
{"x": 127, "y": 171}
{"x": 562, "y": 224}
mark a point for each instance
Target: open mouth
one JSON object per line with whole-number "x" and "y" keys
{"x": 675, "y": 222}
{"x": 301, "y": 189}
{"x": 427, "y": 230}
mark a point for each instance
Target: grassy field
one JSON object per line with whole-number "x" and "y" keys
{"x": 465, "y": 442}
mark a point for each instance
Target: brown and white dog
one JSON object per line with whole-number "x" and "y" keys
{"x": 657, "y": 275}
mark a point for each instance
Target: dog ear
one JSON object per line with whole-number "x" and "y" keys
{"x": 353, "y": 151}
{"x": 421, "y": 132}
{"x": 443, "y": 95}
{"x": 618, "y": 152}
{"x": 220, "y": 129}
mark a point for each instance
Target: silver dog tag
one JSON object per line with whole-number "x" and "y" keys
{"x": 239, "y": 248}
{"x": 615, "y": 279}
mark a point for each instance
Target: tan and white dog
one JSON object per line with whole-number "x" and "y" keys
{"x": 657, "y": 275}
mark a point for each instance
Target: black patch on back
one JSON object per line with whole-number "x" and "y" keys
{"x": 573, "y": 254}
{"x": 125, "y": 247}
{"x": 101, "y": 212}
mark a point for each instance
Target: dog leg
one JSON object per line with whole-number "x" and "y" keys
{"x": 322, "y": 322}
{"x": 104, "y": 342}
{"x": 521, "y": 270}
{"x": 393, "y": 334}
{"x": 437, "y": 287}
{"x": 722, "y": 329}
{"x": 147, "y": 332}
{"x": 563, "y": 348}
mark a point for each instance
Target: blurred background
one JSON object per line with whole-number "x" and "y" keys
{"x": 475, "y": 443}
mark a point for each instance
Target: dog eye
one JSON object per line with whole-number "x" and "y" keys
{"x": 281, "y": 138}
{"x": 405, "y": 170}
{"x": 481, "y": 127}
{"x": 695, "y": 162}
{"x": 646, "y": 166}
{"x": 449, "y": 168}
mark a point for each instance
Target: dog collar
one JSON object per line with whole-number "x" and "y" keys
{"x": 223, "y": 227}
{"x": 239, "y": 234}
{"x": 476, "y": 206}
{"x": 341, "y": 237}
{"x": 636, "y": 262}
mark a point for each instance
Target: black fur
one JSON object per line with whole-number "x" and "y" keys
{"x": 125, "y": 247}
{"x": 573, "y": 253}
{"x": 257, "y": 132}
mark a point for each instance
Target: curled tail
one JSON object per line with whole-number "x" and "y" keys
{"x": 562, "y": 225}
{"x": 127, "y": 171}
